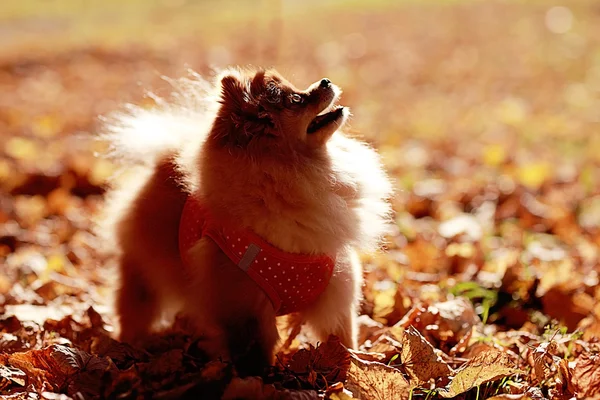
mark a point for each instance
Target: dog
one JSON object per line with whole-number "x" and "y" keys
{"x": 249, "y": 203}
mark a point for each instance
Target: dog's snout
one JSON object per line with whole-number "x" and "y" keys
{"x": 324, "y": 83}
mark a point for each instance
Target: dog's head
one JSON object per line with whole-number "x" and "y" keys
{"x": 263, "y": 110}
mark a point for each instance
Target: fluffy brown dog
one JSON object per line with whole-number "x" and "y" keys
{"x": 263, "y": 158}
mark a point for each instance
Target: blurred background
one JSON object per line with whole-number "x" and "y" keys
{"x": 486, "y": 114}
{"x": 508, "y": 70}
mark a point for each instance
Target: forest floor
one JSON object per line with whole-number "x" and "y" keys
{"x": 486, "y": 115}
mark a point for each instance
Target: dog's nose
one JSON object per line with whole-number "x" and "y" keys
{"x": 324, "y": 83}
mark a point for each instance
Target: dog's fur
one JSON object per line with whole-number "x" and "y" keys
{"x": 242, "y": 147}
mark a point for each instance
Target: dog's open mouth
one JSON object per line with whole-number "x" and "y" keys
{"x": 323, "y": 120}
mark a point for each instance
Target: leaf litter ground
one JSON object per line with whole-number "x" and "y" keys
{"x": 488, "y": 286}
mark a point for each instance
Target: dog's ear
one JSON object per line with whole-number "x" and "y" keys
{"x": 234, "y": 92}
{"x": 241, "y": 116}
{"x": 257, "y": 87}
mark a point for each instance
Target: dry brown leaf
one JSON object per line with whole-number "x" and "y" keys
{"x": 586, "y": 376}
{"x": 560, "y": 302}
{"x": 166, "y": 364}
{"x": 121, "y": 354}
{"x": 419, "y": 360}
{"x": 254, "y": 388}
{"x": 367, "y": 327}
{"x": 426, "y": 257}
{"x": 552, "y": 370}
{"x": 64, "y": 368}
{"x": 326, "y": 364}
{"x": 376, "y": 381}
{"x": 445, "y": 322}
{"x": 369, "y": 356}
{"x": 477, "y": 348}
{"x": 10, "y": 375}
{"x": 545, "y": 363}
{"x": 388, "y": 343}
{"x": 457, "y": 315}
{"x": 402, "y": 304}
{"x": 590, "y": 326}
{"x": 485, "y": 367}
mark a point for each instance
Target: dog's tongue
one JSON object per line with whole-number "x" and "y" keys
{"x": 323, "y": 119}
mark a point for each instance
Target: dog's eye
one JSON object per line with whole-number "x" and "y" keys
{"x": 273, "y": 93}
{"x": 296, "y": 98}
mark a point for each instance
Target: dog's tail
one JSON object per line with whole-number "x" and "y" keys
{"x": 143, "y": 135}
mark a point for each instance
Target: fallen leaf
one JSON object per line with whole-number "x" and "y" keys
{"x": 533, "y": 175}
{"x": 586, "y": 376}
{"x": 545, "y": 362}
{"x": 560, "y": 302}
{"x": 494, "y": 155}
{"x": 376, "y": 381}
{"x": 64, "y": 368}
{"x": 167, "y": 363}
{"x": 485, "y": 367}
{"x": 369, "y": 356}
{"x": 22, "y": 148}
{"x": 389, "y": 343}
{"x": 254, "y": 388}
{"x": 11, "y": 375}
{"x": 367, "y": 327}
{"x": 326, "y": 364}
{"x": 419, "y": 360}
{"x": 443, "y": 322}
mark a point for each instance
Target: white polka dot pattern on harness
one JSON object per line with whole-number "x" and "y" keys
{"x": 291, "y": 281}
{"x": 295, "y": 286}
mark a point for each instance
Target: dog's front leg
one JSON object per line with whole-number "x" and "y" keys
{"x": 335, "y": 310}
{"x": 137, "y": 304}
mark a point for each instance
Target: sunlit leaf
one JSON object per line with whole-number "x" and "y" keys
{"x": 533, "y": 175}
{"x": 485, "y": 367}
{"x": 587, "y": 375}
{"x": 22, "y": 149}
{"x": 419, "y": 359}
{"x": 494, "y": 155}
{"x": 371, "y": 380}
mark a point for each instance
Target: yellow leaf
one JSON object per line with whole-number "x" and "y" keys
{"x": 56, "y": 263}
{"x": 22, "y": 149}
{"x": 486, "y": 367}
{"x": 533, "y": 175}
{"x": 384, "y": 301}
{"x": 494, "y": 155}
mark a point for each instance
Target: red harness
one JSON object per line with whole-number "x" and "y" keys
{"x": 291, "y": 281}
